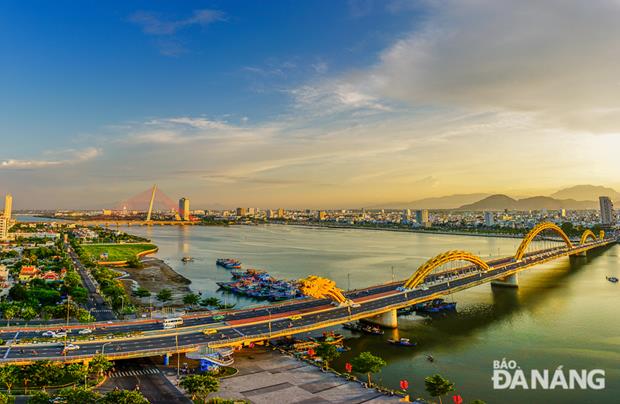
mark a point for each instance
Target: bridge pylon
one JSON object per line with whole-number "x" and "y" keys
{"x": 389, "y": 319}
{"x": 510, "y": 281}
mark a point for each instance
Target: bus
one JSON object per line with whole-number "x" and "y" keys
{"x": 172, "y": 322}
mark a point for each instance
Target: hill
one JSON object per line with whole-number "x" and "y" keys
{"x": 586, "y": 193}
{"x": 441, "y": 202}
{"x": 501, "y": 202}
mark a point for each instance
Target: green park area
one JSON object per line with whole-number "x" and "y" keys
{"x": 115, "y": 252}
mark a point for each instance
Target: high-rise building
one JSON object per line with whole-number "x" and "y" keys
{"x": 5, "y": 219}
{"x": 269, "y": 214}
{"x": 280, "y": 213}
{"x": 489, "y": 220}
{"x": 322, "y": 215}
{"x": 607, "y": 210}
{"x": 421, "y": 216}
{"x": 562, "y": 212}
{"x": 242, "y": 212}
{"x": 406, "y": 215}
{"x": 184, "y": 209}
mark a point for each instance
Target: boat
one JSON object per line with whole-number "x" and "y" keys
{"x": 187, "y": 259}
{"x": 612, "y": 279}
{"x": 331, "y": 338}
{"x": 430, "y": 358}
{"x": 352, "y": 326}
{"x": 401, "y": 342}
{"x": 228, "y": 263}
{"x": 374, "y": 330}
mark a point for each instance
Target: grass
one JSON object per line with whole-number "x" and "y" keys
{"x": 116, "y": 252}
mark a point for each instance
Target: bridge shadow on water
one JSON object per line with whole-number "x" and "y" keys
{"x": 457, "y": 330}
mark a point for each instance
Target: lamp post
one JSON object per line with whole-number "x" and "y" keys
{"x": 269, "y": 311}
{"x": 103, "y": 347}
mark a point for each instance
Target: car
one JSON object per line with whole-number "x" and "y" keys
{"x": 219, "y": 317}
{"x": 71, "y": 347}
{"x": 355, "y": 305}
{"x": 60, "y": 334}
{"x": 48, "y": 334}
{"x": 85, "y": 331}
{"x": 295, "y": 317}
{"x": 209, "y": 331}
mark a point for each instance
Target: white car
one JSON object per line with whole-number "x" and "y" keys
{"x": 85, "y": 331}
{"x": 60, "y": 334}
{"x": 48, "y": 334}
{"x": 72, "y": 347}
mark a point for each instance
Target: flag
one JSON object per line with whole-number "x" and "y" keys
{"x": 457, "y": 399}
{"x": 404, "y": 384}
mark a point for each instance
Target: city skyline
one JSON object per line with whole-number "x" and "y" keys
{"x": 235, "y": 104}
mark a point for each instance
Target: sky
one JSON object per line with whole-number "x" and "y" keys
{"x": 313, "y": 104}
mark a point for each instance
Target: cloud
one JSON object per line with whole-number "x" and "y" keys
{"x": 70, "y": 157}
{"x": 153, "y": 24}
{"x": 556, "y": 59}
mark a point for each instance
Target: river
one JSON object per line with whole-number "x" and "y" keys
{"x": 563, "y": 313}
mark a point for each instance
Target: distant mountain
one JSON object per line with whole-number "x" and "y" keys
{"x": 586, "y": 193}
{"x": 441, "y": 202}
{"x": 501, "y": 202}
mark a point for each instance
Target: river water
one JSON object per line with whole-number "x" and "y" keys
{"x": 563, "y": 313}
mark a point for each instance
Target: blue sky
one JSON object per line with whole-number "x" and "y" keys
{"x": 304, "y": 103}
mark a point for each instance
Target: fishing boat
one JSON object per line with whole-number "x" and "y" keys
{"x": 187, "y": 259}
{"x": 430, "y": 358}
{"x": 612, "y": 279}
{"x": 228, "y": 263}
{"x": 352, "y": 326}
{"x": 331, "y": 338}
{"x": 373, "y": 330}
{"x": 402, "y": 342}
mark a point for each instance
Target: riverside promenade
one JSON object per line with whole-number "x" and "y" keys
{"x": 267, "y": 377}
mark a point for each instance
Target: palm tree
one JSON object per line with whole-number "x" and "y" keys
{"x": 367, "y": 363}
{"x": 199, "y": 386}
{"x": 437, "y": 386}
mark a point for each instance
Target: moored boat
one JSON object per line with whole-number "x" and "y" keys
{"x": 612, "y": 279}
{"x": 402, "y": 342}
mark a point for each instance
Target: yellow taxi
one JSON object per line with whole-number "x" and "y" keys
{"x": 209, "y": 331}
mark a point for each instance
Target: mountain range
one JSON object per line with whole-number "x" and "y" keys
{"x": 577, "y": 197}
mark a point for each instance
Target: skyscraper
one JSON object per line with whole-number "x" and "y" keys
{"x": 421, "y": 216}
{"x": 5, "y": 219}
{"x": 184, "y": 209}
{"x": 488, "y": 219}
{"x": 607, "y": 210}
{"x": 406, "y": 215}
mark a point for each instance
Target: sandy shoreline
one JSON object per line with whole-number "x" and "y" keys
{"x": 155, "y": 276}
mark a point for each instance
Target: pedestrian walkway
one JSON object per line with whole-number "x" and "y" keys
{"x": 135, "y": 372}
{"x": 268, "y": 377}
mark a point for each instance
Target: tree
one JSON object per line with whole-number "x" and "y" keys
{"x": 437, "y": 386}
{"x": 367, "y": 363}
{"x": 40, "y": 397}
{"x": 9, "y": 375}
{"x": 123, "y": 397}
{"x": 78, "y": 395}
{"x": 164, "y": 295}
{"x": 99, "y": 365}
{"x": 134, "y": 262}
{"x": 142, "y": 292}
{"x": 5, "y": 399}
{"x": 28, "y": 313}
{"x": 327, "y": 352}
{"x": 192, "y": 299}
{"x": 210, "y": 301}
{"x": 199, "y": 386}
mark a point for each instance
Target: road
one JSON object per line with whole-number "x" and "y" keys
{"x": 271, "y": 321}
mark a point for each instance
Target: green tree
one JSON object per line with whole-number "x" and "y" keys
{"x": 123, "y": 397}
{"x": 142, "y": 292}
{"x": 199, "y": 386}
{"x": 210, "y": 301}
{"x": 99, "y": 365}
{"x": 367, "y": 363}
{"x": 9, "y": 375}
{"x": 192, "y": 299}
{"x": 437, "y": 386}
{"x": 10, "y": 312}
{"x": 5, "y": 398}
{"x": 79, "y": 395}
{"x": 327, "y": 352}
{"x": 164, "y": 295}
{"x": 40, "y": 397}
{"x": 28, "y": 313}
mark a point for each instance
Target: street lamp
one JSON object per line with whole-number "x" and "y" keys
{"x": 269, "y": 311}
{"x": 103, "y": 347}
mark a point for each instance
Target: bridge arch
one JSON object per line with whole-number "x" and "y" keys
{"x": 536, "y": 230}
{"x": 587, "y": 234}
{"x": 441, "y": 259}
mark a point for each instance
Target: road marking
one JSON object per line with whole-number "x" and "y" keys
{"x": 7, "y": 352}
{"x": 137, "y": 372}
{"x": 239, "y": 332}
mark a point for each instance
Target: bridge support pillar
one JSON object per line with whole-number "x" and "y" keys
{"x": 511, "y": 281}
{"x": 582, "y": 254}
{"x": 389, "y": 319}
{"x": 166, "y": 359}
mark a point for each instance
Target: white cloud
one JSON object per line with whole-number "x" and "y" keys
{"x": 66, "y": 157}
{"x": 153, "y": 24}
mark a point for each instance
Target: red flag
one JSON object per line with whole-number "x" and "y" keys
{"x": 404, "y": 384}
{"x": 457, "y": 399}
{"x": 348, "y": 367}
{"x": 311, "y": 352}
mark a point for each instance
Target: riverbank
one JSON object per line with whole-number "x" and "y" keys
{"x": 154, "y": 276}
